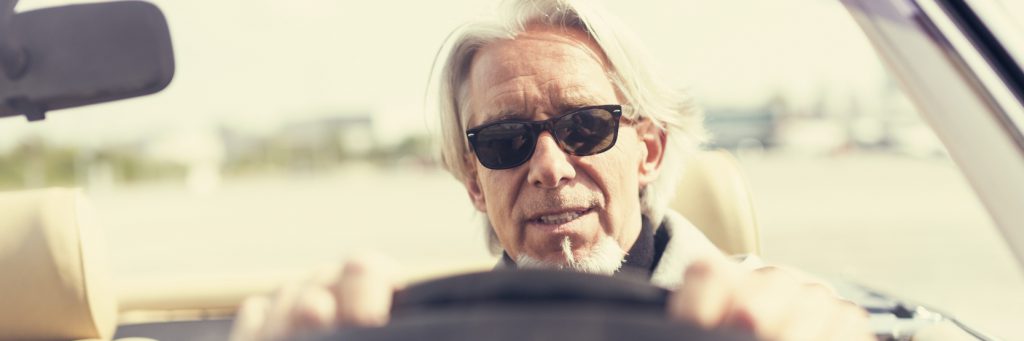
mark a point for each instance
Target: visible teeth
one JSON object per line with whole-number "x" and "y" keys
{"x": 560, "y": 218}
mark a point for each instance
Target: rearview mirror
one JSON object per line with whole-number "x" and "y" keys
{"x": 70, "y": 56}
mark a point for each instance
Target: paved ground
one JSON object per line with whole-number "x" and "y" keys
{"x": 907, "y": 226}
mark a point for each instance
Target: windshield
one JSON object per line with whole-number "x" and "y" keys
{"x": 296, "y": 133}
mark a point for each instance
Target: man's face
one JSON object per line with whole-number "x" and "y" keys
{"x": 555, "y": 201}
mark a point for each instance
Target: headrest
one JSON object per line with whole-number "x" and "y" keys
{"x": 53, "y": 284}
{"x": 714, "y": 196}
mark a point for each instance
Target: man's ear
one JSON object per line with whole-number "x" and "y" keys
{"x": 476, "y": 193}
{"x": 652, "y": 144}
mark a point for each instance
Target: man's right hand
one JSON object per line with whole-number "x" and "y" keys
{"x": 357, "y": 294}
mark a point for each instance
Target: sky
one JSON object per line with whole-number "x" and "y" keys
{"x": 256, "y": 64}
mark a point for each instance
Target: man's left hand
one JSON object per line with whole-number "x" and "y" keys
{"x": 771, "y": 303}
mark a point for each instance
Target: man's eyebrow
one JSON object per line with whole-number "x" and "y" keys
{"x": 574, "y": 100}
{"x": 567, "y": 101}
{"x": 506, "y": 114}
{"x": 573, "y": 105}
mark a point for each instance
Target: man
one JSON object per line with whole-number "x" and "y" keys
{"x": 569, "y": 145}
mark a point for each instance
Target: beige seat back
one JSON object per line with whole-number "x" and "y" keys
{"x": 714, "y": 195}
{"x": 53, "y": 285}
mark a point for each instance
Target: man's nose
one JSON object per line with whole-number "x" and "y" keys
{"x": 550, "y": 167}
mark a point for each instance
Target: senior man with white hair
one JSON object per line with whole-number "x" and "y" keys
{"x": 571, "y": 146}
{"x": 612, "y": 131}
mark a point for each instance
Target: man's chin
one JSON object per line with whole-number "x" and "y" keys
{"x": 606, "y": 257}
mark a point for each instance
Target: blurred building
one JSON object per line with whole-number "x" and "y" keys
{"x": 733, "y": 128}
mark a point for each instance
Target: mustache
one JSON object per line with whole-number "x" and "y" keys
{"x": 556, "y": 201}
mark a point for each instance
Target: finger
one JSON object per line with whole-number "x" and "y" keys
{"x": 364, "y": 292}
{"x": 812, "y": 315}
{"x": 798, "y": 276}
{"x": 850, "y": 323}
{"x": 249, "y": 319}
{"x": 278, "y": 321}
{"x": 705, "y": 293}
{"x": 314, "y": 308}
{"x": 762, "y": 303}
{"x": 315, "y": 305}
{"x": 306, "y": 305}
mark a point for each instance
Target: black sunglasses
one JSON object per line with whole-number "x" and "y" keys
{"x": 509, "y": 143}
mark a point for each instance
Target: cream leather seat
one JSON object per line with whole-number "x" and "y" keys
{"x": 53, "y": 284}
{"x": 714, "y": 196}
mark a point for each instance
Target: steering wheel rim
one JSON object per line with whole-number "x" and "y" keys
{"x": 531, "y": 305}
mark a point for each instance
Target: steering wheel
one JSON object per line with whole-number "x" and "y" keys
{"x": 531, "y": 305}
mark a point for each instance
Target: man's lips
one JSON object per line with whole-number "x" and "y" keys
{"x": 558, "y": 218}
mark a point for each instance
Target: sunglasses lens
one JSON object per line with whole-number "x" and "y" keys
{"x": 504, "y": 145}
{"x": 587, "y": 132}
{"x": 583, "y": 132}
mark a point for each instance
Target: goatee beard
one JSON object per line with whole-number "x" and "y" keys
{"x": 605, "y": 258}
